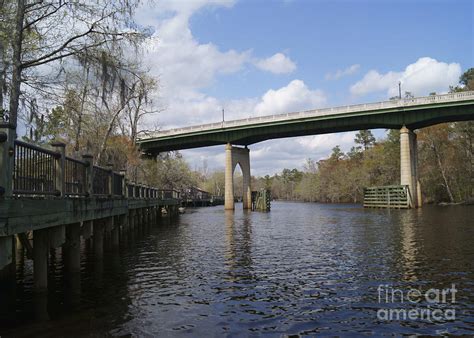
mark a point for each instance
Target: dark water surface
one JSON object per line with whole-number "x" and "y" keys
{"x": 305, "y": 269}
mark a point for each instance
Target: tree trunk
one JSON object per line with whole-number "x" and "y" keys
{"x": 443, "y": 172}
{"x": 17, "y": 42}
{"x": 103, "y": 146}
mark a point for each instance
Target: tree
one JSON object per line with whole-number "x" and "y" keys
{"x": 39, "y": 37}
{"x": 467, "y": 79}
{"x": 336, "y": 154}
{"x": 365, "y": 138}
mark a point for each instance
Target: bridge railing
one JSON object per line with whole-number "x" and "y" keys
{"x": 402, "y": 103}
{"x": 39, "y": 172}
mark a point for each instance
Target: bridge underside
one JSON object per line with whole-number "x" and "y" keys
{"x": 412, "y": 118}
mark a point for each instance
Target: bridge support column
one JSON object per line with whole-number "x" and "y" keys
{"x": 98, "y": 238}
{"x": 115, "y": 237}
{"x": 409, "y": 165}
{"x": 40, "y": 259}
{"x": 7, "y": 248}
{"x": 86, "y": 229}
{"x": 234, "y": 156}
{"x": 72, "y": 256}
{"x": 73, "y": 248}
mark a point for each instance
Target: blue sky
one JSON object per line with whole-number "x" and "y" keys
{"x": 264, "y": 57}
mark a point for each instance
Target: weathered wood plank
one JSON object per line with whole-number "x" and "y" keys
{"x": 23, "y": 214}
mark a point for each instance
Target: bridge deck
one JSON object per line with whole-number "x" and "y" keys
{"x": 414, "y": 113}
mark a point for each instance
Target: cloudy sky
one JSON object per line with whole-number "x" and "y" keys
{"x": 266, "y": 57}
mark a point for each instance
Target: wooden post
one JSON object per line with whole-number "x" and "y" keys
{"x": 123, "y": 172}
{"x": 40, "y": 259}
{"x": 98, "y": 238}
{"x": 7, "y": 151}
{"x": 86, "y": 229}
{"x": 73, "y": 248}
{"x": 60, "y": 168}
{"x": 89, "y": 174}
{"x": 7, "y": 144}
{"x": 110, "y": 187}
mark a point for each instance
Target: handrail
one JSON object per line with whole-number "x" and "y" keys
{"x": 401, "y": 103}
{"x": 37, "y": 148}
{"x": 40, "y": 172}
{"x": 34, "y": 170}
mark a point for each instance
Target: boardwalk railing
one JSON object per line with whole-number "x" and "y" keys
{"x": 41, "y": 172}
{"x": 75, "y": 175}
{"x": 392, "y": 196}
{"x": 34, "y": 170}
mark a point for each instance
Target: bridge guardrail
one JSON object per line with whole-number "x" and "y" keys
{"x": 403, "y": 103}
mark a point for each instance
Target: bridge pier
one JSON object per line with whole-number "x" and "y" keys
{"x": 98, "y": 238}
{"x": 409, "y": 166}
{"x": 7, "y": 247}
{"x": 234, "y": 156}
{"x": 72, "y": 248}
{"x": 40, "y": 259}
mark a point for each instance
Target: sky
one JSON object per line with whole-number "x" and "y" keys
{"x": 255, "y": 58}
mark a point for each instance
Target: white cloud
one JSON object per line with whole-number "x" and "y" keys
{"x": 277, "y": 64}
{"x": 200, "y": 108}
{"x": 295, "y": 96}
{"x": 186, "y": 66}
{"x": 183, "y": 65}
{"x": 422, "y": 77}
{"x": 343, "y": 72}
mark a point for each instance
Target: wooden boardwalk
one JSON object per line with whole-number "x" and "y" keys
{"x": 50, "y": 200}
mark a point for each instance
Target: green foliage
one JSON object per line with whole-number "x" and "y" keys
{"x": 365, "y": 139}
{"x": 467, "y": 79}
{"x": 169, "y": 171}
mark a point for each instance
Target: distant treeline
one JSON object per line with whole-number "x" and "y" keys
{"x": 445, "y": 168}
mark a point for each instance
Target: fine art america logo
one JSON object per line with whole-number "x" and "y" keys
{"x": 432, "y": 305}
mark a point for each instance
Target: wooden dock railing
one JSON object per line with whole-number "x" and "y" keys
{"x": 39, "y": 172}
{"x": 392, "y": 196}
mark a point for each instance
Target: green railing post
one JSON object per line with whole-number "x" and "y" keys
{"x": 7, "y": 151}
{"x": 59, "y": 163}
{"x": 123, "y": 172}
{"x": 89, "y": 174}
{"x": 110, "y": 185}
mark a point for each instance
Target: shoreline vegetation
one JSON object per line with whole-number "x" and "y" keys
{"x": 97, "y": 97}
{"x": 441, "y": 204}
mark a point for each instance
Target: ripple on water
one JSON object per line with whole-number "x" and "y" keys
{"x": 301, "y": 269}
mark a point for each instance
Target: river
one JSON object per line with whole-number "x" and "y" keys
{"x": 303, "y": 268}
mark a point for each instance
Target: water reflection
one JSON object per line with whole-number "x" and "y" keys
{"x": 411, "y": 247}
{"x": 300, "y": 269}
{"x": 239, "y": 243}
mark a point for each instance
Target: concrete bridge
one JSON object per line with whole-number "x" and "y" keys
{"x": 404, "y": 114}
